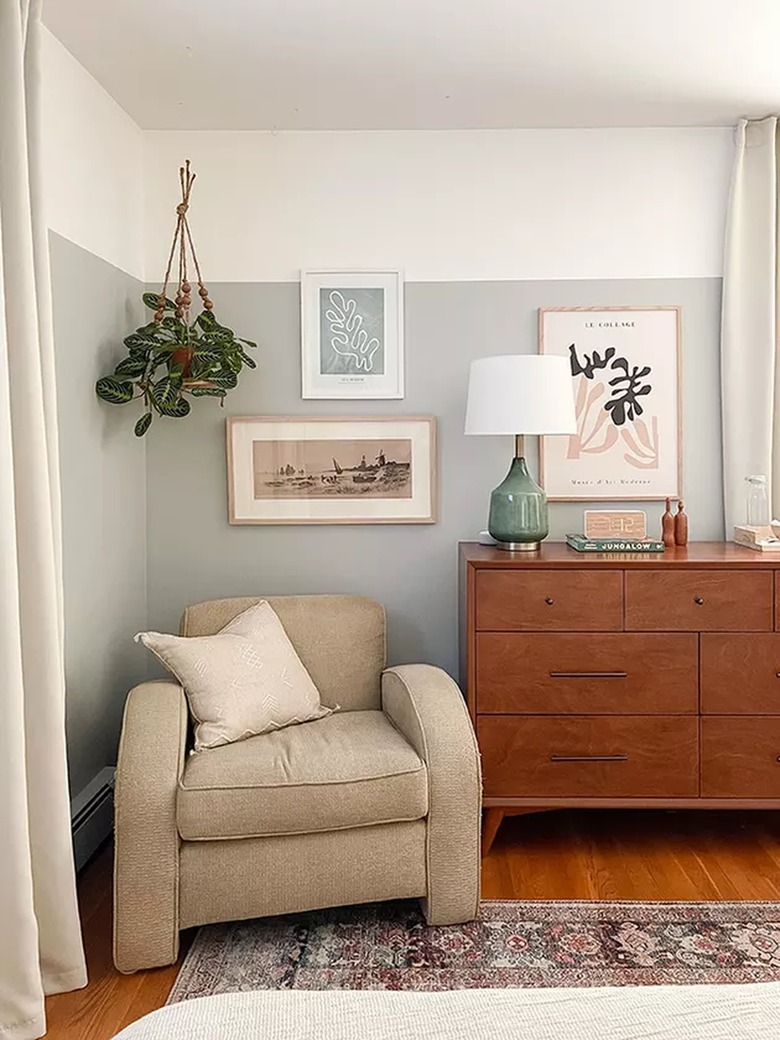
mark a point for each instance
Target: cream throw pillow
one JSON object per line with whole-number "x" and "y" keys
{"x": 245, "y": 680}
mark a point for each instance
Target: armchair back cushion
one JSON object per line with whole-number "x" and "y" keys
{"x": 339, "y": 639}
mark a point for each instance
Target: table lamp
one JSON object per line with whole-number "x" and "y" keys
{"x": 519, "y": 394}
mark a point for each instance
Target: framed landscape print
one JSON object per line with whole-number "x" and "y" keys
{"x": 285, "y": 470}
{"x": 352, "y": 335}
{"x": 625, "y": 370}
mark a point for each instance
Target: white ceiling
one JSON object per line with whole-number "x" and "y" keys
{"x": 406, "y": 64}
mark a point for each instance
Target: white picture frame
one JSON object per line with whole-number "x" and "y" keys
{"x": 352, "y": 335}
{"x": 331, "y": 470}
{"x": 627, "y": 384}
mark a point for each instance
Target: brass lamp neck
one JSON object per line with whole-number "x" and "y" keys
{"x": 519, "y": 445}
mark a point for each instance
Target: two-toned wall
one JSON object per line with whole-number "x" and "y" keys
{"x": 487, "y": 225}
{"x": 93, "y": 179}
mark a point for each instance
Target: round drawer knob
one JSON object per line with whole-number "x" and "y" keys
{"x": 549, "y": 600}
{"x": 698, "y": 600}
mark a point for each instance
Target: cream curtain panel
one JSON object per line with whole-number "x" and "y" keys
{"x": 749, "y": 345}
{"x": 40, "y": 941}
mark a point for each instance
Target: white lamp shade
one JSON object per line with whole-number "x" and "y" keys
{"x": 521, "y": 393}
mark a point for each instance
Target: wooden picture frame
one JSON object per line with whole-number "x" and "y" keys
{"x": 626, "y": 364}
{"x": 352, "y": 335}
{"x": 331, "y": 470}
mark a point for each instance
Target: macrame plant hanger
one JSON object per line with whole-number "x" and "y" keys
{"x": 182, "y": 244}
{"x": 177, "y": 353}
{"x": 182, "y": 239}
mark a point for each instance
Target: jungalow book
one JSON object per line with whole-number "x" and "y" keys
{"x": 615, "y": 545}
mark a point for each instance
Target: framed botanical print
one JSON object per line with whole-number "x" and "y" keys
{"x": 625, "y": 370}
{"x": 352, "y": 335}
{"x": 322, "y": 470}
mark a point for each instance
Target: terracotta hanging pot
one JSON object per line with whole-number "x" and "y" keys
{"x": 183, "y": 357}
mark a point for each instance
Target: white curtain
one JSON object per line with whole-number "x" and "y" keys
{"x": 749, "y": 344}
{"x": 40, "y": 941}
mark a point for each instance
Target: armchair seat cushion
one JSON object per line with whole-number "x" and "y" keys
{"x": 352, "y": 769}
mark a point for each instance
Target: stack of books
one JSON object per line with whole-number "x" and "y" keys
{"x": 613, "y": 545}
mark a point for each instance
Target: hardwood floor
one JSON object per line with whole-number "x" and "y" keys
{"x": 605, "y": 855}
{"x": 635, "y": 855}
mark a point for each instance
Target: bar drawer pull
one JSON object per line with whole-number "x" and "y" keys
{"x": 698, "y": 600}
{"x": 549, "y": 600}
{"x": 589, "y": 758}
{"x": 588, "y": 675}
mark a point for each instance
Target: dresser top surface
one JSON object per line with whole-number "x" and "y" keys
{"x": 559, "y": 554}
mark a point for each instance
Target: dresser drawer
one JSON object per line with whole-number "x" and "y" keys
{"x": 562, "y": 600}
{"x": 599, "y": 673}
{"x": 699, "y": 601}
{"x": 589, "y": 756}
{"x": 739, "y": 757}
{"x": 740, "y": 674}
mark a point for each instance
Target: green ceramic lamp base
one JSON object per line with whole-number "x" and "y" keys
{"x": 519, "y": 518}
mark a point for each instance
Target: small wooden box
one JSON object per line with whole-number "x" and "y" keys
{"x": 615, "y": 523}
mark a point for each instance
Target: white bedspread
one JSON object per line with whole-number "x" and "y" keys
{"x": 749, "y": 1012}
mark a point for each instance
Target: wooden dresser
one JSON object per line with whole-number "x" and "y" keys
{"x": 647, "y": 680}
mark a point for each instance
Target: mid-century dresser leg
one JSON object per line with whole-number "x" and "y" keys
{"x": 490, "y": 825}
{"x": 494, "y": 818}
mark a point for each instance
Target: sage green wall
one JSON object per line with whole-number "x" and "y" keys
{"x": 145, "y": 522}
{"x": 103, "y": 502}
{"x": 193, "y": 553}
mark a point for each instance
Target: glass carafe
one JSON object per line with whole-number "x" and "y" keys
{"x": 757, "y": 501}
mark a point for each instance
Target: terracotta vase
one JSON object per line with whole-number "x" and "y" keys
{"x": 681, "y": 525}
{"x": 667, "y": 525}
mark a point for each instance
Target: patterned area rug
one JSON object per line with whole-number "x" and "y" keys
{"x": 513, "y": 944}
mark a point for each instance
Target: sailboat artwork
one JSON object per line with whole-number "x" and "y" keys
{"x": 327, "y": 468}
{"x": 331, "y": 470}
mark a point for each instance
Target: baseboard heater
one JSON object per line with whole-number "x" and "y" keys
{"x": 92, "y": 816}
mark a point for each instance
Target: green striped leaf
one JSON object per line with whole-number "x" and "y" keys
{"x": 170, "y": 321}
{"x": 140, "y": 341}
{"x": 143, "y": 424}
{"x": 113, "y": 391}
{"x": 152, "y": 301}
{"x": 224, "y": 378}
{"x": 131, "y": 366}
{"x": 208, "y": 391}
{"x": 163, "y": 353}
{"x": 211, "y": 357}
{"x": 176, "y": 409}
{"x": 165, "y": 391}
{"x": 206, "y": 320}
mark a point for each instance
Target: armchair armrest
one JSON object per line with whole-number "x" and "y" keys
{"x": 426, "y": 705}
{"x": 146, "y": 858}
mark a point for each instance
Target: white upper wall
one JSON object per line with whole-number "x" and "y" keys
{"x": 442, "y": 205}
{"x": 93, "y": 163}
{"x": 445, "y": 205}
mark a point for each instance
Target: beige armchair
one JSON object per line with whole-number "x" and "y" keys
{"x": 379, "y": 801}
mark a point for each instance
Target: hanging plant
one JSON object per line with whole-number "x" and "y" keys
{"x": 175, "y": 356}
